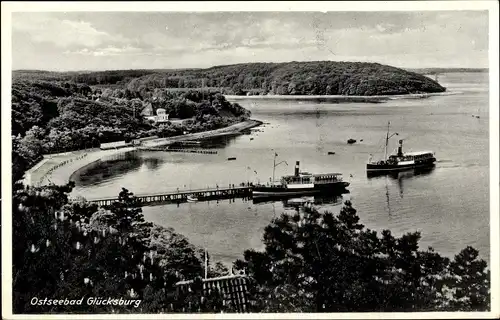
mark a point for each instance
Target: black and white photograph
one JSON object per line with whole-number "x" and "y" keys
{"x": 277, "y": 159}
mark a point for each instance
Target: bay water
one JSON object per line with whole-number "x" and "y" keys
{"x": 449, "y": 205}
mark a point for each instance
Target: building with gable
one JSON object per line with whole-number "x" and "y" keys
{"x": 160, "y": 117}
{"x": 233, "y": 288}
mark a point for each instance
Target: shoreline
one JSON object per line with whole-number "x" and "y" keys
{"x": 342, "y": 98}
{"x": 234, "y": 129}
{"x": 59, "y": 169}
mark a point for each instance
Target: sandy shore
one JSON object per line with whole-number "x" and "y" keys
{"x": 340, "y": 98}
{"x": 58, "y": 168}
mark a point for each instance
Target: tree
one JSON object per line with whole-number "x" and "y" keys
{"x": 238, "y": 89}
{"x": 65, "y": 249}
{"x": 318, "y": 262}
{"x": 107, "y": 93}
{"x": 181, "y": 83}
{"x": 469, "y": 282}
{"x": 218, "y": 270}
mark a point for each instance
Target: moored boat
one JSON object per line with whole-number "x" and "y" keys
{"x": 302, "y": 183}
{"x": 401, "y": 161}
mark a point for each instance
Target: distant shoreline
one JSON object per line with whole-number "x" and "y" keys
{"x": 417, "y": 70}
{"x": 341, "y": 98}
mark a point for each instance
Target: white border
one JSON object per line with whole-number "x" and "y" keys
{"x": 492, "y": 6}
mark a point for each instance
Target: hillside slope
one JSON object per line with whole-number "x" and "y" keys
{"x": 290, "y": 78}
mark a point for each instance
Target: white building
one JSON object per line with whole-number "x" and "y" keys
{"x": 161, "y": 116}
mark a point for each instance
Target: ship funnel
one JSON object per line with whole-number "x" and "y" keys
{"x": 297, "y": 163}
{"x": 400, "y": 148}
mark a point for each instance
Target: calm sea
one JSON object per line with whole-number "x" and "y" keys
{"x": 448, "y": 205}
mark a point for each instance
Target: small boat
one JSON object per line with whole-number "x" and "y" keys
{"x": 351, "y": 141}
{"x": 192, "y": 198}
{"x": 231, "y": 158}
{"x": 331, "y": 152}
{"x": 401, "y": 161}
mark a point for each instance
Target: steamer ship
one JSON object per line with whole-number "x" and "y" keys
{"x": 301, "y": 183}
{"x": 400, "y": 161}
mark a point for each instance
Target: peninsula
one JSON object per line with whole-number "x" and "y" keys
{"x": 289, "y": 78}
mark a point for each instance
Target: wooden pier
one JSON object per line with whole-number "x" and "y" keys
{"x": 182, "y": 195}
{"x": 187, "y": 150}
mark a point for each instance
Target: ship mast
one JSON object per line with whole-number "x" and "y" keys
{"x": 387, "y": 140}
{"x": 206, "y": 264}
{"x": 275, "y": 165}
{"x": 274, "y": 168}
{"x": 387, "y": 137}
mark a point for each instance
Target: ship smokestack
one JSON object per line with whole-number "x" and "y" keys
{"x": 400, "y": 148}
{"x": 297, "y": 163}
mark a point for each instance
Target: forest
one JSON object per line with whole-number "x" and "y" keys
{"x": 290, "y": 78}
{"x": 59, "y": 116}
{"x": 312, "y": 262}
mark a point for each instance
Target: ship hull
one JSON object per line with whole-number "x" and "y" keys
{"x": 259, "y": 191}
{"x": 372, "y": 168}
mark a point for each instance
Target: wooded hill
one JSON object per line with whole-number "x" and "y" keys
{"x": 290, "y": 78}
{"x": 56, "y": 116}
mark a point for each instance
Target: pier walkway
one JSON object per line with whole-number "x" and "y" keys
{"x": 185, "y": 150}
{"x": 234, "y": 191}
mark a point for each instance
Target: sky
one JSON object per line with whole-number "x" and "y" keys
{"x": 166, "y": 40}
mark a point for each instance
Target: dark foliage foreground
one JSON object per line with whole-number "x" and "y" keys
{"x": 313, "y": 262}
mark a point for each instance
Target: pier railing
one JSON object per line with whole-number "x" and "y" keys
{"x": 234, "y": 191}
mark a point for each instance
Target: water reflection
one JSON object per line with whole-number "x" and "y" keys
{"x": 152, "y": 163}
{"x": 217, "y": 142}
{"x": 399, "y": 177}
{"x": 409, "y": 175}
{"x": 293, "y": 201}
{"x": 121, "y": 164}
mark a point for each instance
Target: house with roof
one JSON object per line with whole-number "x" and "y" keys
{"x": 161, "y": 115}
{"x": 232, "y": 288}
{"x": 147, "y": 111}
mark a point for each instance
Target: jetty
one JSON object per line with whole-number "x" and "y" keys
{"x": 178, "y": 196}
{"x": 184, "y": 150}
